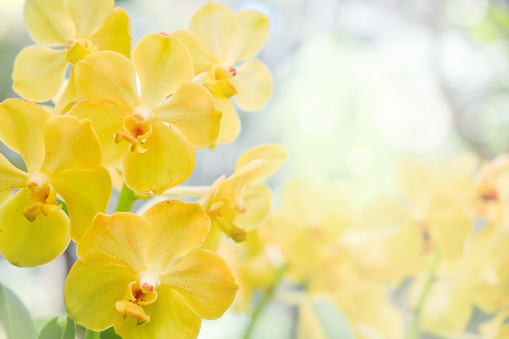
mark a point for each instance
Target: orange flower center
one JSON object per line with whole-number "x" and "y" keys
{"x": 140, "y": 292}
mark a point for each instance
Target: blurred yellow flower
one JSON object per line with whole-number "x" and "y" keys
{"x": 82, "y": 27}
{"x": 62, "y": 156}
{"x": 152, "y": 138}
{"x": 447, "y": 308}
{"x": 395, "y": 237}
{"x": 496, "y": 328}
{"x": 147, "y": 276}
{"x": 218, "y": 39}
{"x": 491, "y": 191}
{"x": 308, "y": 226}
{"x": 307, "y": 230}
{"x": 251, "y": 266}
{"x": 368, "y": 308}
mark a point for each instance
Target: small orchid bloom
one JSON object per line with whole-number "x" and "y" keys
{"x": 153, "y": 138}
{"x": 62, "y": 156}
{"x": 218, "y": 39}
{"x": 241, "y": 203}
{"x": 147, "y": 275}
{"x": 81, "y": 27}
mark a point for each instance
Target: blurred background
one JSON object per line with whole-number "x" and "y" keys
{"x": 358, "y": 86}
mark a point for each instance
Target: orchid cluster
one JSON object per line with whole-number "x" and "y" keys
{"x": 140, "y": 111}
{"x": 100, "y": 114}
{"x": 439, "y": 243}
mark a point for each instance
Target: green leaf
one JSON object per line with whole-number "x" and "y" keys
{"x": 58, "y": 329}
{"x": 109, "y": 334}
{"x": 14, "y": 316}
{"x": 332, "y": 321}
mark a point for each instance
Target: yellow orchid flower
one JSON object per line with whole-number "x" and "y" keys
{"x": 82, "y": 27}
{"x": 63, "y": 157}
{"x": 154, "y": 141}
{"x": 147, "y": 275}
{"x": 218, "y": 39}
{"x": 239, "y": 204}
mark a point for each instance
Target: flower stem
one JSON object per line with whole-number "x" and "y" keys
{"x": 187, "y": 191}
{"x": 415, "y": 328}
{"x": 89, "y": 334}
{"x": 264, "y": 302}
{"x": 125, "y": 200}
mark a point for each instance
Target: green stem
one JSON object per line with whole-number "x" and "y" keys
{"x": 264, "y": 302}
{"x": 415, "y": 328}
{"x": 89, "y": 334}
{"x": 126, "y": 199}
{"x": 187, "y": 191}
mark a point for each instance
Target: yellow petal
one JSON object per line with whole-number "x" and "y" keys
{"x": 230, "y": 122}
{"x": 22, "y": 130}
{"x": 70, "y": 144}
{"x": 68, "y": 97}
{"x": 27, "y": 244}
{"x": 383, "y": 210}
{"x": 203, "y": 60}
{"x": 85, "y": 193}
{"x": 251, "y": 33}
{"x": 253, "y": 83}
{"x": 91, "y": 291}
{"x": 120, "y": 237}
{"x": 163, "y": 64}
{"x": 450, "y": 230}
{"x": 416, "y": 183}
{"x": 170, "y": 317}
{"x": 39, "y": 72}
{"x": 257, "y": 200}
{"x": 177, "y": 228}
{"x": 191, "y": 110}
{"x": 275, "y": 156}
{"x": 406, "y": 248}
{"x": 168, "y": 162}
{"x": 115, "y": 35}
{"x": 106, "y": 121}
{"x": 89, "y": 15}
{"x": 213, "y": 26}
{"x": 10, "y": 177}
{"x": 107, "y": 78}
{"x": 205, "y": 281}
{"x": 234, "y": 185}
{"x": 48, "y": 22}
